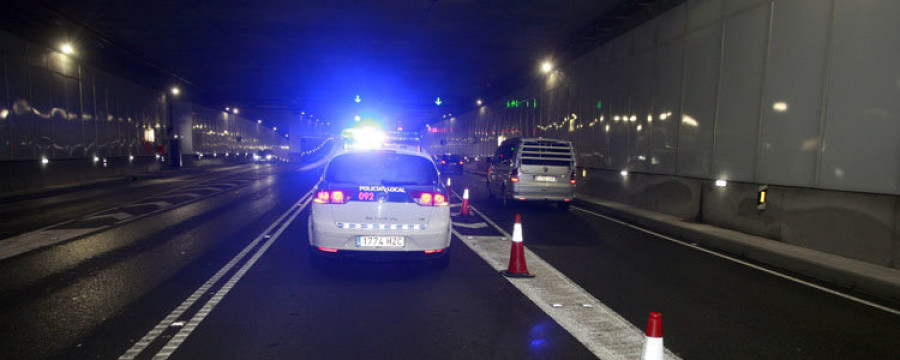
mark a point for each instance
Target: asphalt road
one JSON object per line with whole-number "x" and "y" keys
{"x": 98, "y": 296}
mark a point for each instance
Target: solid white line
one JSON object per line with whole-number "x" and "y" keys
{"x": 600, "y": 329}
{"x": 739, "y": 261}
{"x": 480, "y": 225}
{"x": 195, "y": 321}
{"x": 145, "y": 341}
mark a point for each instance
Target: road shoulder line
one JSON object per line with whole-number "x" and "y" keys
{"x": 600, "y": 329}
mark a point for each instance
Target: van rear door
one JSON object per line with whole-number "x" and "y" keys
{"x": 546, "y": 161}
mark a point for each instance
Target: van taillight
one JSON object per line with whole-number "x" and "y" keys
{"x": 572, "y": 179}
{"x": 514, "y": 176}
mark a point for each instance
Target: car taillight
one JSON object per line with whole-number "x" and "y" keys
{"x": 443, "y": 162}
{"x": 425, "y": 199}
{"x": 330, "y": 197}
{"x": 572, "y": 179}
{"x": 460, "y": 162}
{"x": 514, "y": 176}
{"x": 337, "y": 197}
{"x": 430, "y": 199}
{"x": 322, "y": 197}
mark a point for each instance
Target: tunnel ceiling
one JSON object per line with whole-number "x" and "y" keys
{"x": 315, "y": 56}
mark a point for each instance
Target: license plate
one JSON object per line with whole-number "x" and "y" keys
{"x": 379, "y": 241}
{"x": 545, "y": 178}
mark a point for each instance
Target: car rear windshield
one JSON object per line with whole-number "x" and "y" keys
{"x": 381, "y": 168}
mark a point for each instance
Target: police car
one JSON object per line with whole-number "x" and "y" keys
{"x": 380, "y": 202}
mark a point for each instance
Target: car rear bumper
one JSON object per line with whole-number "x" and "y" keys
{"x": 326, "y": 234}
{"x": 555, "y": 193}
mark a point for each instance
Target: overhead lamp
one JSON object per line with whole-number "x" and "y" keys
{"x": 235, "y": 111}
{"x": 546, "y": 67}
{"x": 67, "y": 48}
{"x": 259, "y": 121}
{"x": 176, "y": 91}
{"x": 478, "y": 102}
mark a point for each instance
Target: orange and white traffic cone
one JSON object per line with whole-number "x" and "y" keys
{"x": 465, "y": 203}
{"x": 653, "y": 340}
{"x": 517, "y": 266}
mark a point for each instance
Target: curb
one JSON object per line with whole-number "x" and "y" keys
{"x": 845, "y": 273}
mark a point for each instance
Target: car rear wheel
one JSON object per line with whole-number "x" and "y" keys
{"x": 563, "y": 206}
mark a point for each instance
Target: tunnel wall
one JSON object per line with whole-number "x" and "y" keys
{"x": 89, "y": 124}
{"x": 798, "y": 95}
{"x": 217, "y": 136}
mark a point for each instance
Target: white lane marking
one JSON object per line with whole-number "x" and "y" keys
{"x": 48, "y": 235}
{"x": 159, "y": 204}
{"x": 37, "y": 239}
{"x": 147, "y": 339}
{"x": 479, "y": 225}
{"x": 119, "y": 216}
{"x": 195, "y": 321}
{"x": 739, "y": 261}
{"x": 188, "y": 194}
{"x": 600, "y": 329}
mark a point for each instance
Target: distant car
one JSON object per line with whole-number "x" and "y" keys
{"x": 533, "y": 169}
{"x": 450, "y": 164}
{"x": 264, "y": 156}
{"x": 380, "y": 201}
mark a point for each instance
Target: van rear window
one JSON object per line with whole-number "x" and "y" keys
{"x": 546, "y": 162}
{"x": 381, "y": 168}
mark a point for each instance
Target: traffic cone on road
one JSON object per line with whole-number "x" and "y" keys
{"x": 517, "y": 266}
{"x": 465, "y": 203}
{"x": 653, "y": 340}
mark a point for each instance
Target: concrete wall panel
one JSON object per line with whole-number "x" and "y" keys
{"x": 702, "y": 12}
{"x": 861, "y": 150}
{"x": 641, "y": 108}
{"x": 670, "y": 25}
{"x": 860, "y": 226}
{"x": 702, "y": 58}
{"x": 737, "y": 123}
{"x": 795, "y": 76}
{"x": 733, "y": 6}
{"x": 668, "y": 73}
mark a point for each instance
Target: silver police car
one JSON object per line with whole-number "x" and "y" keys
{"x": 380, "y": 201}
